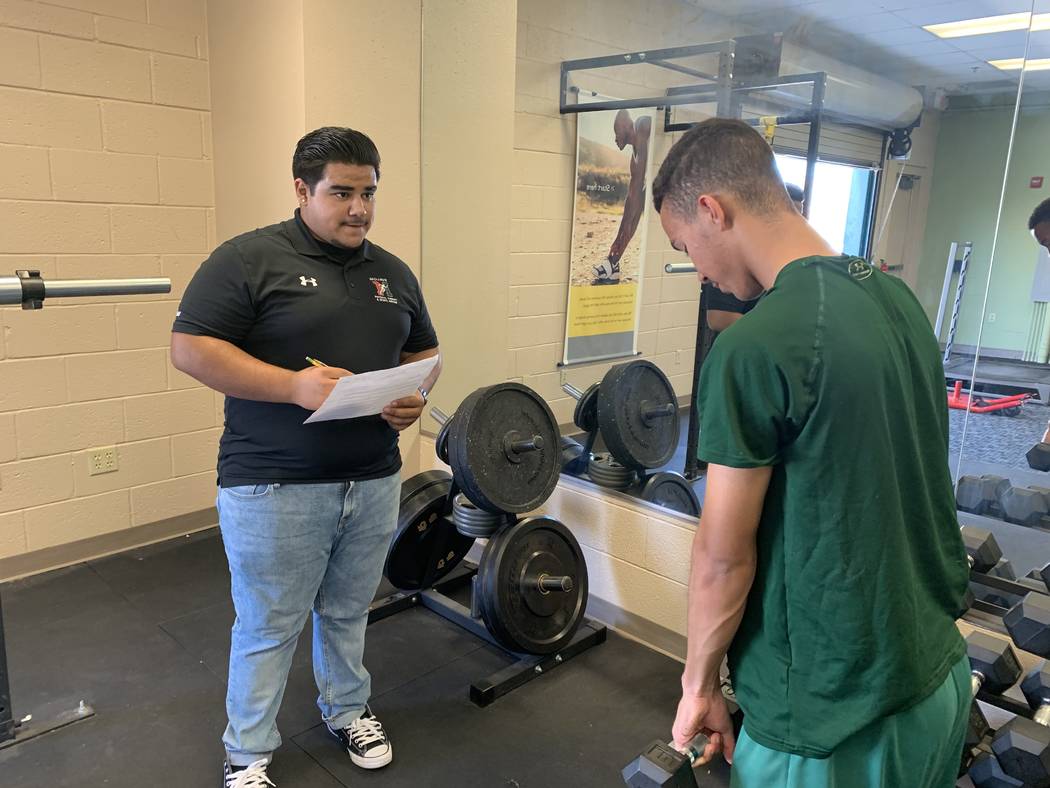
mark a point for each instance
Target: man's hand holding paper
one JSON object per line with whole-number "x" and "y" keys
{"x": 390, "y": 393}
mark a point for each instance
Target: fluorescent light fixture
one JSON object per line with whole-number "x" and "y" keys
{"x": 990, "y": 24}
{"x": 1015, "y": 64}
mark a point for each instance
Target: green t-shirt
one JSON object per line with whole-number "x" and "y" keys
{"x": 835, "y": 380}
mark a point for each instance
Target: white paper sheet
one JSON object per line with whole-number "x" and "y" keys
{"x": 368, "y": 393}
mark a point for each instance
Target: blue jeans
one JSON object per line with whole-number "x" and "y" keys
{"x": 293, "y": 548}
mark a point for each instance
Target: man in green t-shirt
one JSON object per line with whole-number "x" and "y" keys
{"x": 828, "y": 563}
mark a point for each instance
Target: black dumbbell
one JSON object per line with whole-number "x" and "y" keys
{"x": 994, "y": 668}
{"x": 981, "y": 547}
{"x": 980, "y": 494}
{"x": 987, "y": 772}
{"x": 1004, "y": 569}
{"x": 662, "y": 766}
{"x": 1039, "y": 457}
{"x": 1023, "y": 505}
{"x": 1028, "y": 623}
{"x": 1023, "y": 745}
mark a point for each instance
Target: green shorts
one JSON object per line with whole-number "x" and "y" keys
{"x": 916, "y": 748}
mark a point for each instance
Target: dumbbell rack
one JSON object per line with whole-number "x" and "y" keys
{"x": 436, "y": 597}
{"x": 28, "y": 289}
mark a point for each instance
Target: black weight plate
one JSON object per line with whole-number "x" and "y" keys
{"x": 491, "y": 476}
{"x": 441, "y": 442}
{"x": 521, "y": 616}
{"x": 426, "y": 545}
{"x": 672, "y": 491}
{"x": 628, "y": 397}
{"x": 586, "y": 414}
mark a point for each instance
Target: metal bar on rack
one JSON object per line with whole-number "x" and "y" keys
{"x": 960, "y": 286}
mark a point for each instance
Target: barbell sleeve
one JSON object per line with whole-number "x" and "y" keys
{"x": 571, "y": 390}
{"x": 679, "y": 268}
{"x": 438, "y": 415}
{"x": 30, "y": 289}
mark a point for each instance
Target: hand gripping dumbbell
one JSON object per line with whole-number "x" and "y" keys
{"x": 1023, "y": 745}
{"x": 663, "y": 766}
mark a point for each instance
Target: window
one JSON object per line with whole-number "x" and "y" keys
{"x": 843, "y": 196}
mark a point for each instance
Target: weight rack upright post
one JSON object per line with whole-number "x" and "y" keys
{"x": 959, "y": 288}
{"x": 29, "y": 289}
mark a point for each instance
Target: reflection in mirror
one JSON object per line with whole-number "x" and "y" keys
{"x": 990, "y": 285}
{"x": 894, "y": 126}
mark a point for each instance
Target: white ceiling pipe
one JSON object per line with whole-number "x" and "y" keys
{"x": 852, "y": 94}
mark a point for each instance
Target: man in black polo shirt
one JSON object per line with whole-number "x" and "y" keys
{"x": 306, "y": 511}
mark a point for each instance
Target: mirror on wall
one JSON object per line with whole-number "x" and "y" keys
{"x": 997, "y": 357}
{"x": 894, "y": 125}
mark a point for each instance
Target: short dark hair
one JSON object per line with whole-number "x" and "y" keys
{"x": 720, "y": 155}
{"x": 1040, "y": 214}
{"x": 795, "y": 192}
{"x": 332, "y": 144}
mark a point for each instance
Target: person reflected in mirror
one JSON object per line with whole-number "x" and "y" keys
{"x": 827, "y": 565}
{"x": 1039, "y": 224}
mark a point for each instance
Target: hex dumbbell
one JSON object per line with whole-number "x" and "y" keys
{"x": 1023, "y": 745}
{"x": 994, "y": 667}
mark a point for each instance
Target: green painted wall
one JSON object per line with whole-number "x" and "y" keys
{"x": 967, "y": 179}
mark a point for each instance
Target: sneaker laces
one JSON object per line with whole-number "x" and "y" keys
{"x": 253, "y": 776}
{"x": 366, "y": 730}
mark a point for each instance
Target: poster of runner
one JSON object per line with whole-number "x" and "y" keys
{"x": 610, "y": 217}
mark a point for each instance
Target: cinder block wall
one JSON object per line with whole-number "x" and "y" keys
{"x": 105, "y": 171}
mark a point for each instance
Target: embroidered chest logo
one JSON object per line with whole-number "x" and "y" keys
{"x": 383, "y": 293}
{"x": 859, "y": 270}
{"x": 307, "y": 280}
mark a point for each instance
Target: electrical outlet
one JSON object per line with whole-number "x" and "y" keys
{"x": 105, "y": 460}
{"x": 991, "y": 317}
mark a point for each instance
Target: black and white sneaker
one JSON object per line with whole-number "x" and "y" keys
{"x": 366, "y": 741}
{"x": 253, "y": 776}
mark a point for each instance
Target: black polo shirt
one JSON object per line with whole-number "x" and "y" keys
{"x": 727, "y": 302}
{"x": 279, "y": 295}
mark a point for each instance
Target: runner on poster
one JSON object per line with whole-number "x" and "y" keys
{"x": 608, "y": 244}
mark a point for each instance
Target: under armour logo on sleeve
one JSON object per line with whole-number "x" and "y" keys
{"x": 304, "y": 281}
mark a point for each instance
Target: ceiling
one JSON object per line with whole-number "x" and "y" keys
{"x": 887, "y": 38}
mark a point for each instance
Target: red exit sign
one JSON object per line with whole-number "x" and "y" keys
{"x": 1036, "y": 182}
